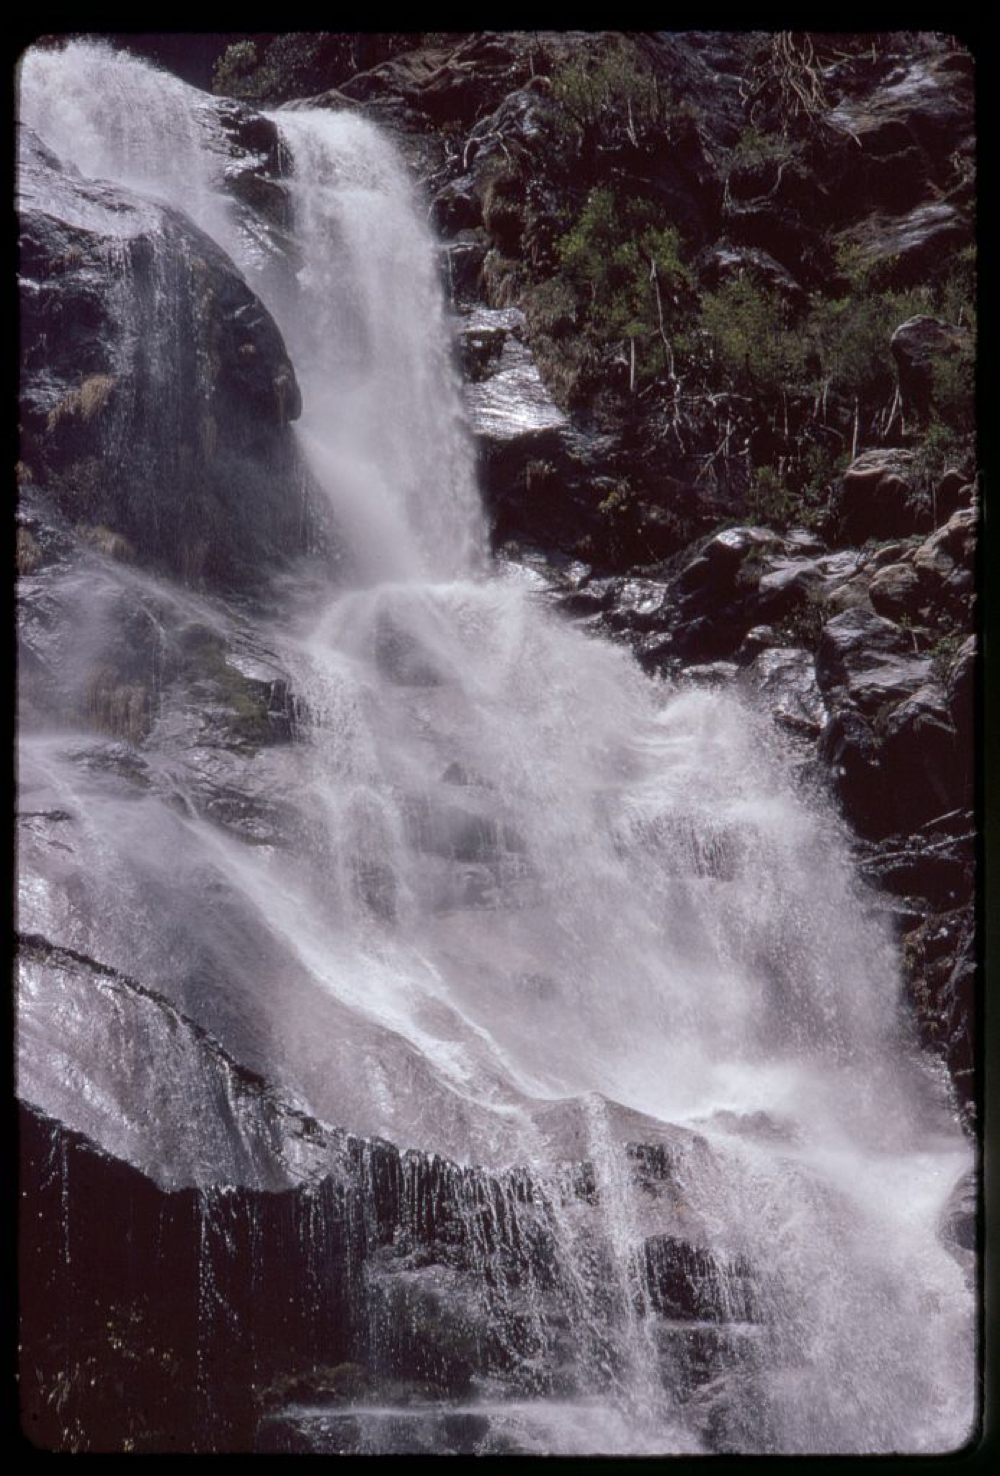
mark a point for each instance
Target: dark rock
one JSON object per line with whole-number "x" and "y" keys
{"x": 507, "y": 400}
{"x": 538, "y": 472}
{"x": 891, "y": 744}
{"x": 392, "y": 1249}
{"x": 959, "y": 1222}
{"x": 853, "y": 756}
{"x": 709, "y": 673}
{"x": 927, "y": 99}
{"x": 254, "y": 176}
{"x": 902, "y": 128}
{"x": 786, "y": 585}
{"x": 726, "y": 263}
{"x": 177, "y": 439}
{"x": 593, "y": 597}
{"x": 450, "y": 82}
{"x": 772, "y": 208}
{"x": 953, "y": 491}
{"x": 759, "y": 639}
{"x": 961, "y": 690}
{"x": 906, "y": 247}
{"x": 784, "y": 680}
{"x": 876, "y": 498}
{"x": 921, "y": 751}
{"x": 741, "y": 578}
{"x": 464, "y": 257}
{"x": 940, "y": 965}
{"x": 869, "y": 657}
{"x": 723, "y": 555}
{"x": 457, "y": 206}
{"x": 638, "y": 604}
{"x": 686, "y": 1282}
{"x": 945, "y": 562}
{"x": 935, "y": 869}
{"x": 895, "y": 590}
{"x": 917, "y": 346}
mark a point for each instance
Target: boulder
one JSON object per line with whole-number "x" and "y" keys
{"x": 924, "y": 101}
{"x": 902, "y": 121}
{"x": 786, "y": 585}
{"x": 638, "y": 604}
{"x": 457, "y": 206}
{"x": 877, "y": 498}
{"x": 945, "y": 562}
{"x": 961, "y": 693}
{"x": 904, "y": 248}
{"x": 759, "y": 638}
{"x": 868, "y": 658}
{"x": 932, "y": 866}
{"x": 960, "y": 1222}
{"x": 252, "y": 174}
{"x": 922, "y": 753}
{"x": 177, "y": 437}
{"x": 895, "y": 591}
{"x": 464, "y": 257}
{"x": 716, "y": 593}
{"x": 852, "y": 753}
{"x": 940, "y": 969}
{"x": 783, "y": 679}
{"x": 896, "y": 757}
{"x": 539, "y": 474}
{"x": 917, "y": 346}
{"x": 954, "y": 490}
{"x": 505, "y": 396}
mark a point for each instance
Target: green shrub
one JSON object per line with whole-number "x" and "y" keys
{"x": 237, "y": 73}
{"x": 754, "y": 341}
{"x": 613, "y": 97}
{"x": 769, "y": 498}
{"x": 755, "y": 147}
{"x": 850, "y": 339}
{"x": 551, "y": 307}
{"x": 629, "y": 276}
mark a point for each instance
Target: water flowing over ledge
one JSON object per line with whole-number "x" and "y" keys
{"x": 502, "y": 899}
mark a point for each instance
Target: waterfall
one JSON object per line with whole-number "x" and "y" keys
{"x": 529, "y": 907}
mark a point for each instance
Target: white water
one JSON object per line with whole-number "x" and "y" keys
{"x": 523, "y": 874}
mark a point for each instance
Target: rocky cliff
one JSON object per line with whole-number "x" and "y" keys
{"x": 718, "y": 297}
{"x": 715, "y": 302}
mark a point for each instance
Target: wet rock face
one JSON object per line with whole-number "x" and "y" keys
{"x": 891, "y": 743}
{"x": 361, "y": 1287}
{"x": 909, "y": 117}
{"x": 157, "y": 393}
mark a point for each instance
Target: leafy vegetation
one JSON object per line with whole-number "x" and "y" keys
{"x": 753, "y": 340}
{"x": 273, "y": 67}
{"x": 613, "y": 100}
{"x": 626, "y": 268}
{"x": 785, "y": 386}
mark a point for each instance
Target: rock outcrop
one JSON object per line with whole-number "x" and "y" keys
{"x": 219, "y": 1353}
{"x": 157, "y": 394}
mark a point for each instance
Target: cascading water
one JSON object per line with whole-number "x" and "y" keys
{"x": 527, "y": 904}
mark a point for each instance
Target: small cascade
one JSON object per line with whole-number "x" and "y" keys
{"x": 368, "y": 335}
